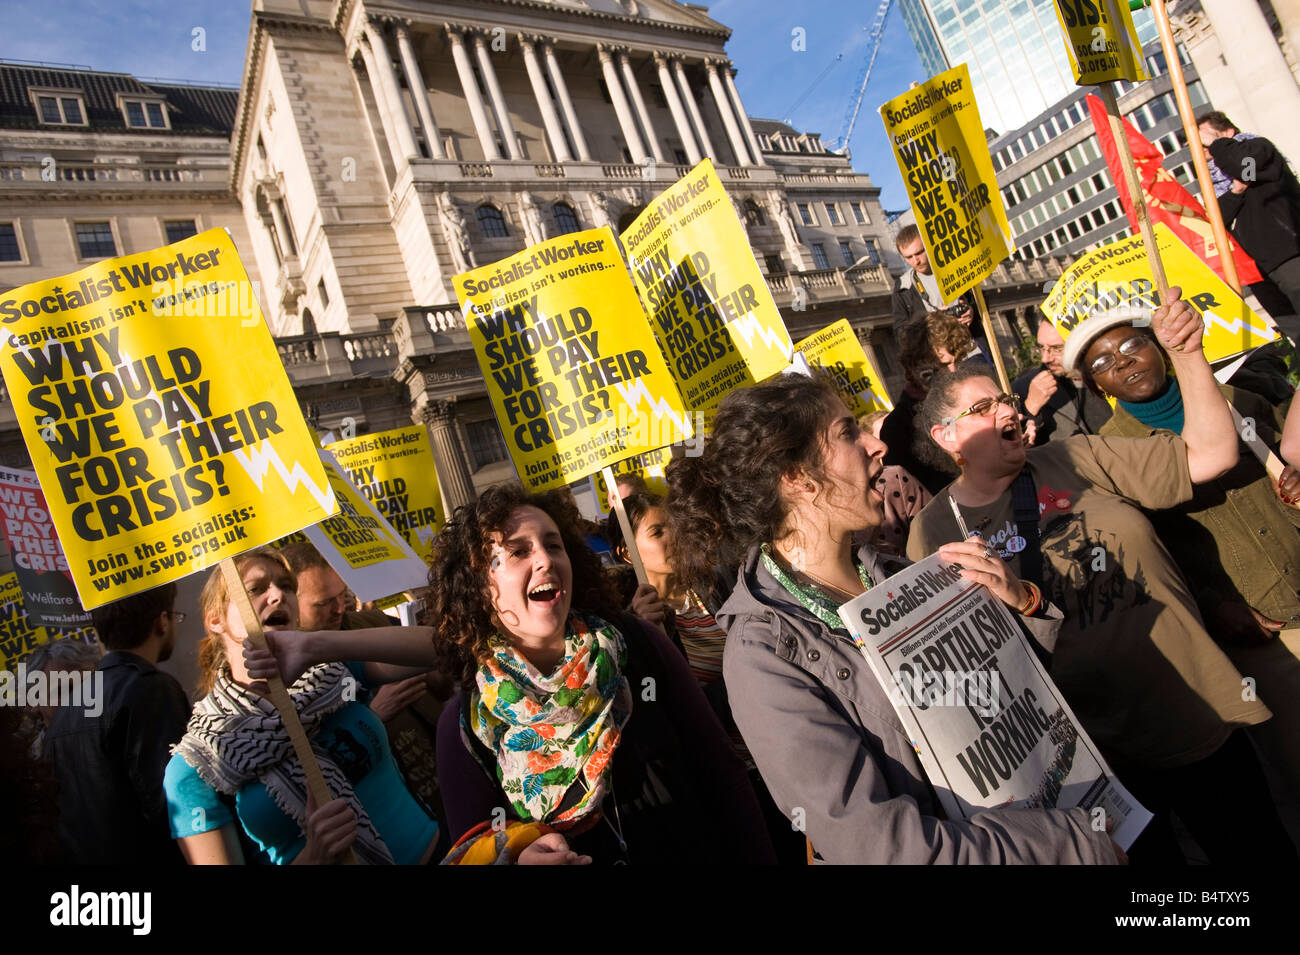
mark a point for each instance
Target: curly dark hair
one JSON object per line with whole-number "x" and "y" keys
{"x": 636, "y": 505}
{"x": 459, "y": 607}
{"x": 728, "y": 499}
{"x": 938, "y": 404}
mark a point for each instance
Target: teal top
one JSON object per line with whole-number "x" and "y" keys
{"x": 357, "y": 742}
{"x": 1163, "y": 411}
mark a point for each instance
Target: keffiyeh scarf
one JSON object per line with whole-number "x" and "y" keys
{"x": 553, "y": 736}
{"x": 235, "y": 736}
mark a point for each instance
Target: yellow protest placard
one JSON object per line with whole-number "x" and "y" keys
{"x": 836, "y": 348}
{"x": 1101, "y": 41}
{"x": 575, "y": 377}
{"x": 395, "y": 472}
{"x": 20, "y": 634}
{"x": 371, "y": 557}
{"x": 158, "y": 416}
{"x": 709, "y": 305}
{"x": 1119, "y": 273}
{"x": 938, "y": 141}
{"x": 649, "y": 466}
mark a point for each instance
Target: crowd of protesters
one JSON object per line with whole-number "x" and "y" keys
{"x": 549, "y": 709}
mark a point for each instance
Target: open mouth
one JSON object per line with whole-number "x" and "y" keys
{"x": 276, "y": 618}
{"x": 1134, "y": 377}
{"x": 545, "y": 593}
{"x": 1010, "y": 432}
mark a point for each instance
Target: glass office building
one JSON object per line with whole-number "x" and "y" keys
{"x": 1015, "y": 50}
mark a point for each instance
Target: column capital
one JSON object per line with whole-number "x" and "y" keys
{"x": 401, "y": 26}
{"x": 439, "y": 413}
{"x": 661, "y": 58}
{"x": 607, "y": 49}
{"x": 531, "y": 39}
{"x": 455, "y": 32}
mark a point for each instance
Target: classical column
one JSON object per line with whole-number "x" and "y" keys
{"x": 386, "y": 80}
{"x": 472, "y": 97}
{"x": 419, "y": 92}
{"x": 1261, "y": 71}
{"x": 498, "y": 100}
{"x": 639, "y": 103}
{"x": 724, "y": 110}
{"x": 381, "y": 102}
{"x": 675, "y": 105}
{"x": 693, "y": 109}
{"x": 747, "y": 129}
{"x": 630, "y": 135}
{"x": 566, "y": 104}
{"x": 559, "y": 147}
{"x": 457, "y": 487}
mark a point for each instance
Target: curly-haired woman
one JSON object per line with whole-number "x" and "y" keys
{"x": 571, "y": 714}
{"x": 783, "y": 485}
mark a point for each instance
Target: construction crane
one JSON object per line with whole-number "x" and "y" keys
{"x": 874, "y": 36}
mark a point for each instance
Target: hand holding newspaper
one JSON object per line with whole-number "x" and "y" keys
{"x": 985, "y": 719}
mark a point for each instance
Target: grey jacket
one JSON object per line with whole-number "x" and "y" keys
{"x": 835, "y": 756}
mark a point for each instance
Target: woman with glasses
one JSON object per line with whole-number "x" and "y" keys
{"x": 1133, "y": 657}
{"x": 784, "y": 485}
{"x": 1235, "y": 541}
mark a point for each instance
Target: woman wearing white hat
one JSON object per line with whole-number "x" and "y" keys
{"x": 1133, "y": 658}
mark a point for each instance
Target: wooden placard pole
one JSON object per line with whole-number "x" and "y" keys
{"x": 628, "y": 537}
{"x": 279, "y": 695}
{"x": 1120, "y": 135}
{"x": 1208, "y": 198}
{"x": 992, "y": 339}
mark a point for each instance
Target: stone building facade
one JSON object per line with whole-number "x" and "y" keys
{"x": 375, "y": 149}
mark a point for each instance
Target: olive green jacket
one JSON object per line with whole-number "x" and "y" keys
{"x": 1234, "y": 540}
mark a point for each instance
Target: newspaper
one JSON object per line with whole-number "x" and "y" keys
{"x": 989, "y": 726}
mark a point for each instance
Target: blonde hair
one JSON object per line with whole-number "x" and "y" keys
{"x": 212, "y": 602}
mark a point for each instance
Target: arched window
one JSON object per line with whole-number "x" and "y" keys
{"x": 492, "y": 222}
{"x": 308, "y": 323}
{"x": 566, "y": 220}
{"x": 753, "y": 214}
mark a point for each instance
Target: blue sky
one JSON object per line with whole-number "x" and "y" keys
{"x": 154, "y": 38}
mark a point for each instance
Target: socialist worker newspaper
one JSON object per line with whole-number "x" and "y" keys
{"x": 989, "y": 726}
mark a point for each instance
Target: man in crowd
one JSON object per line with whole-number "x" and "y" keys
{"x": 916, "y": 292}
{"x": 1261, "y": 206}
{"x": 324, "y": 601}
{"x": 1059, "y": 406}
{"x": 110, "y": 766}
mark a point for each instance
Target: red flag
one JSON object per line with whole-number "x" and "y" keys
{"x": 1167, "y": 201}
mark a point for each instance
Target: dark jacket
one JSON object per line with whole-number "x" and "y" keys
{"x": 1071, "y": 410}
{"x": 908, "y": 303}
{"x": 110, "y": 767}
{"x": 829, "y": 744}
{"x": 1265, "y": 218}
{"x": 680, "y": 794}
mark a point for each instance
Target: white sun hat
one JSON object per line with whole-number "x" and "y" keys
{"x": 1091, "y": 328}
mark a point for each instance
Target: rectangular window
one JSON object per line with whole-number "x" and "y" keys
{"x": 859, "y": 215}
{"x": 873, "y": 253}
{"x": 833, "y": 213}
{"x": 322, "y": 294}
{"x": 60, "y": 110}
{"x": 9, "y": 250}
{"x": 774, "y": 264}
{"x": 178, "y": 229}
{"x": 805, "y": 214}
{"x": 846, "y": 250}
{"x": 485, "y": 444}
{"x": 95, "y": 240}
{"x": 819, "y": 256}
{"x": 134, "y": 113}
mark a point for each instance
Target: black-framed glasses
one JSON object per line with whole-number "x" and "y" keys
{"x": 1128, "y": 348}
{"x": 984, "y": 406}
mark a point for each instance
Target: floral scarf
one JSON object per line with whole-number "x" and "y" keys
{"x": 553, "y": 735}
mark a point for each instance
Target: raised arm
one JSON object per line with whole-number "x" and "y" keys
{"x": 392, "y": 653}
{"x": 1208, "y": 433}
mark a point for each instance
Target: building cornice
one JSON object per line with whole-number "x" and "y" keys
{"x": 257, "y": 38}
